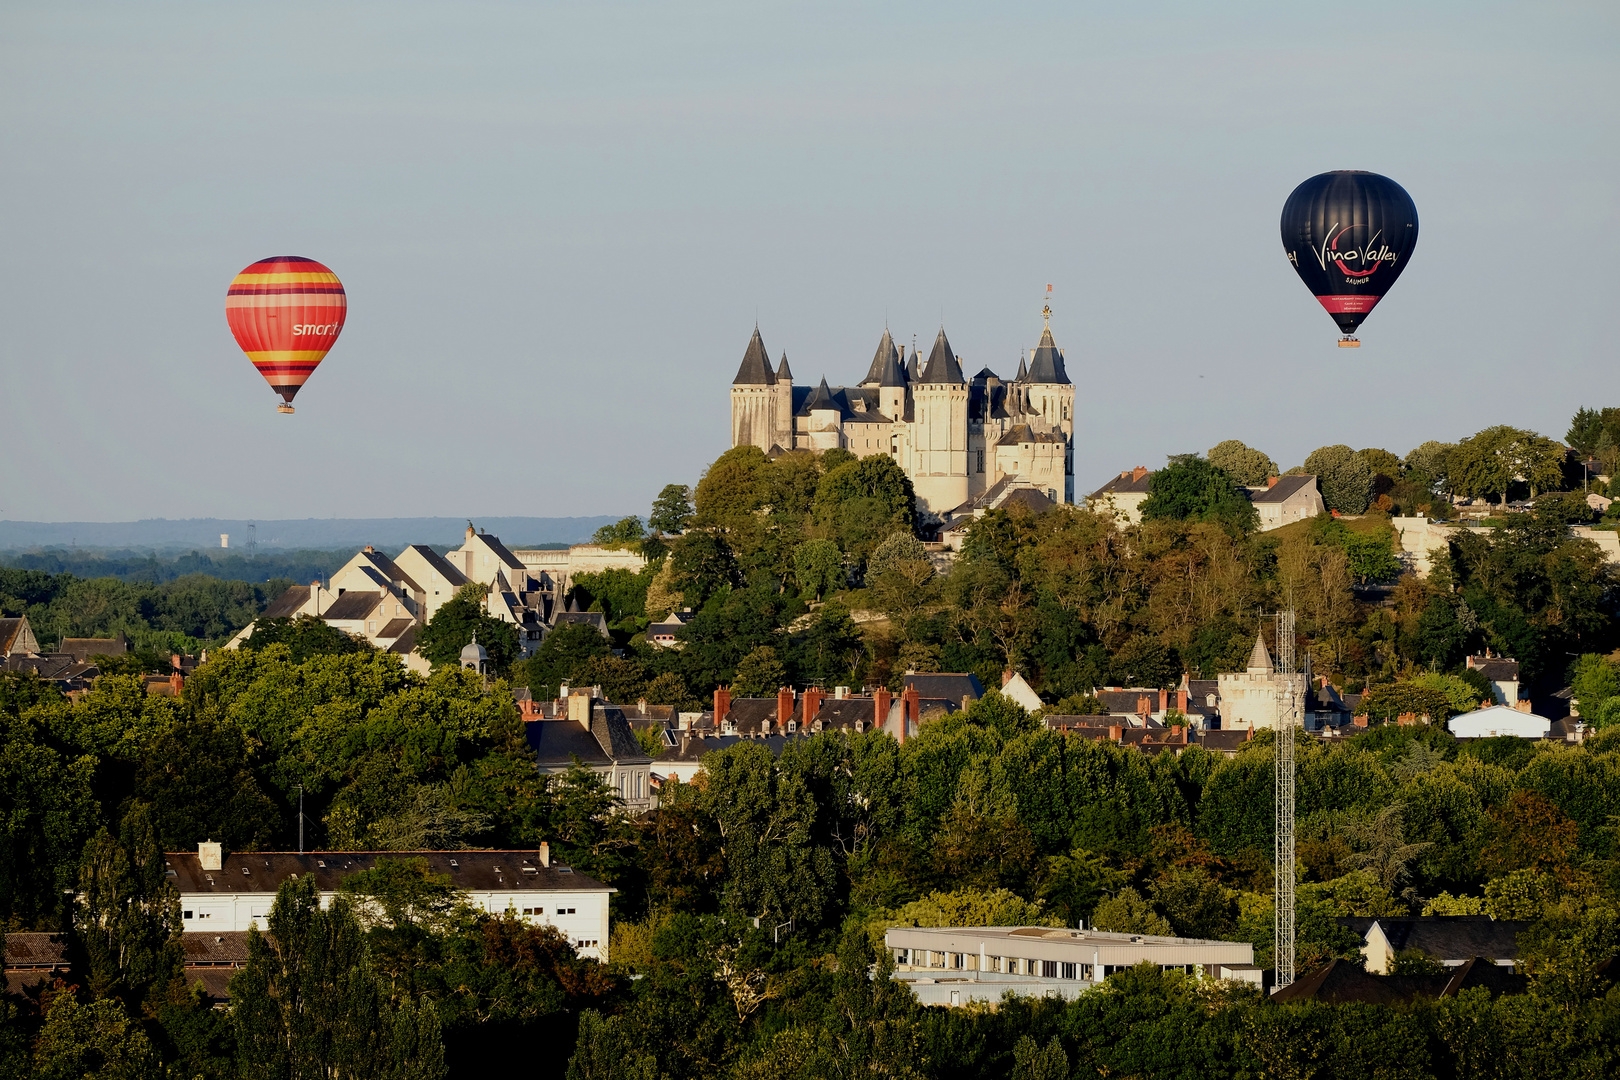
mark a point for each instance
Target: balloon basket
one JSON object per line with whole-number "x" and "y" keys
{"x": 284, "y": 408}
{"x": 1344, "y": 343}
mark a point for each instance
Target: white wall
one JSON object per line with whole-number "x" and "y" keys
{"x": 1499, "y": 720}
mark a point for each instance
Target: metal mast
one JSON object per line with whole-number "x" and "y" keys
{"x": 1288, "y": 705}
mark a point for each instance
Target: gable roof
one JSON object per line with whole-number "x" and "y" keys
{"x": 1284, "y": 489}
{"x": 1046, "y": 366}
{"x": 1345, "y": 981}
{"x": 1127, "y": 482}
{"x": 83, "y": 648}
{"x": 287, "y": 604}
{"x": 453, "y": 577}
{"x": 1454, "y": 937}
{"x": 756, "y": 365}
{"x": 942, "y": 366}
{"x": 948, "y": 686}
{"x": 352, "y": 605}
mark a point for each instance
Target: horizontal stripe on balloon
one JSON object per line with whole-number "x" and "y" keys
{"x": 288, "y": 299}
{"x": 311, "y": 277}
{"x": 287, "y": 356}
{"x": 1348, "y": 305}
{"x": 288, "y": 290}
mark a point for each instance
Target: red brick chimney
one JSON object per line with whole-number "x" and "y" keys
{"x": 1181, "y": 701}
{"x": 176, "y": 681}
{"x": 813, "y": 697}
{"x": 1359, "y": 720}
{"x": 722, "y": 704}
{"x": 1144, "y": 705}
{"x": 881, "y": 701}
{"x": 1178, "y": 734}
{"x": 1116, "y": 733}
{"x": 1271, "y": 481}
{"x": 1164, "y": 700}
{"x": 1006, "y": 676}
{"x": 910, "y": 710}
{"x": 784, "y": 706}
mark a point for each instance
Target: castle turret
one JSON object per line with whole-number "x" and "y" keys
{"x": 756, "y": 400}
{"x": 888, "y": 377}
{"x": 939, "y": 440}
{"x": 825, "y": 419}
{"x": 1049, "y": 393}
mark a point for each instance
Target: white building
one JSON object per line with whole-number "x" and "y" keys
{"x": 956, "y": 965}
{"x": 1252, "y": 698}
{"x": 1499, "y": 720}
{"x": 220, "y": 892}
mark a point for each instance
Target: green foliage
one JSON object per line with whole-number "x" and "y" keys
{"x": 180, "y": 615}
{"x": 1192, "y": 489}
{"x": 1247, "y": 466}
{"x": 864, "y": 501}
{"x": 1345, "y": 478}
{"x": 619, "y": 593}
{"x": 1488, "y": 464}
{"x": 672, "y": 510}
{"x": 1593, "y": 679}
{"x": 563, "y": 652}
{"x": 759, "y": 674}
{"x": 1427, "y": 465}
{"x": 457, "y": 621}
{"x": 624, "y": 533}
{"x": 819, "y": 567}
{"x": 304, "y": 636}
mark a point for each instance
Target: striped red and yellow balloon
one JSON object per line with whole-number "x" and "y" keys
{"x": 286, "y": 314}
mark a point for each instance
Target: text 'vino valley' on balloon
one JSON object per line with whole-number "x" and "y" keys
{"x": 1349, "y": 235}
{"x": 286, "y": 313}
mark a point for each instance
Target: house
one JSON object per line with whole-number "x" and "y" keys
{"x": 17, "y": 638}
{"x": 1286, "y": 499}
{"x": 584, "y": 728}
{"x": 959, "y": 965}
{"x": 86, "y": 649}
{"x": 1014, "y": 686}
{"x": 1009, "y": 493}
{"x": 1502, "y": 673}
{"x": 1496, "y": 720}
{"x": 33, "y": 961}
{"x": 961, "y": 687}
{"x": 661, "y": 634}
{"x": 1451, "y": 940}
{"x": 1344, "y": 981}
{"x": 222, "y": 892}
{"x": 1123, "y": 496}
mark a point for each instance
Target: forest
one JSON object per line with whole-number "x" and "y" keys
{"x": 986, "y": 816}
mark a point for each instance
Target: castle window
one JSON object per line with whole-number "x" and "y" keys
{"x": 980, "y": 461}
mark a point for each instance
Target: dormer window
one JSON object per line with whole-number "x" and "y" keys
{"x": 454, "y": 865}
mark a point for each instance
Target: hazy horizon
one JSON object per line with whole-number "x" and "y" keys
{"x": 558, "y": 224}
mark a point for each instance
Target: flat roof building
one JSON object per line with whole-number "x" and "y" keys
{"x": 956, "y": 965}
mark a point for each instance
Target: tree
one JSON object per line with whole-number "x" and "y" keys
{"x": 1344, "y": 476}
{"x": 1030, "y": 1062}
{"x": 452, "y": 628}
{"x": 1593, "y": 679}
{"x": 702, "y": 564}
{"x": 306, "y": 636}
{"x": 899, "y": 548}
{"x": 624, "y": 533}
{"x": 1585, "y": 428}
{"x": 662, "y": 595}
{"x": 1530, "y": 832}
{"x": 98, "y": 1041}
{"x": 1192, "y": 489}
{"x": 830, "y": 649}
{"x": 672, "y": 510}
{"x": 564, "y": 651}
{"x": 1248, "y": 467}
{"x": 128, "y": 915}
{"x": 759, "y": 674}
{"x": 819, "y": 566}
{"x": 1488, "y": 463}
{"x": 886, "y": 500}
{"x": 733, "y": 488}
{"x": 1128, "y": 912}
{"x": 1381, "y": 462}
{"x": 1425, "y": 465}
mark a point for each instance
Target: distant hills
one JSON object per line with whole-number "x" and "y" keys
{"x": 160, "y": 535}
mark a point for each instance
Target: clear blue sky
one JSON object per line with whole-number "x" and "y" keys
{"x": 557, "y": 223}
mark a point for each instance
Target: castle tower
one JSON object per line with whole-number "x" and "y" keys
{"x": 1049, "y": 393}
{"x": 939, "y": 432}
{"x": 756, "y": 401}
{"x": 826, "y": 419}
{"x": 888, "y": 377}
{"x": 784, "y": 405}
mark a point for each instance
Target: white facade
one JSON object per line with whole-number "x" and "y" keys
{"x": 1499, "y": 720}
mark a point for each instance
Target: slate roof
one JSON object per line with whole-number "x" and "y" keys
{"x": 1285, "y": 488}
{"x": 783, "y": 373}
{"x": 453, "y": 577}
{"x": 1125, "y": 484}
{"x": 913, "y": 371}
{"x": 9, "y": 631}
{"x": 352, "y": 605}
{"x": 395, "y": 628}
{"x": 389, "y": 569}
{"x": 886, "y": 369}
{"x": 500, "y": 551}
{"x": 83, "y": 648}
{"x": 473, "y": 870}
{"x": 1455, "y": 937}
{"x": 287, "y": 604}
{"x": 558, "y": 742}
{"x": 1495, "y": 668}
{"x": 948, "y": 686}
{"x": 942, "y": 366}
{"x": 1046, "y": 365}
{"x": 1346, "y": 981}
{"x": 1023, "y": 433}
{"x": 1226, "y": 741}
{"x": 756, "y": 364}
{"x": 589, "y": 618}
{"x": 27, "y": 950}
{"x": 822, "y": 399}
{"x": 405, "y": 643}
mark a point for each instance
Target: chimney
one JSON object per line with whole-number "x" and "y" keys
{"x": 910, "y": 711}
{"x": 315, "y": 595}
{"x": 784, "y": 705}
{"x": 1181, "y": 701}
{"x": 1164, "y": 701}
{"x": 470, "y": 533}
{"x": 1116, "y": 732}
{"x": 1359, "y": 720}
{"x": 722, "y": 705}
{"x": 579, "y": 709}
{"x": 1522, "y": 705}
{"x": 1143, "y": 705}
{"x": 881, "y": 701}
{"x": 545, "y": 854}
{"x": 1138, "y": 472}
{"x": 211, "y": 855}
{"x": 370, "y": 550}
{"x": 1271, "y": 482}
{"x": 813, "y": 697}
{"x": 840, "y": 693}
{"x": 1006, "y": 676}
{"x": 176, "y": 682}
{"x": 562, "y": 691}
{"x": 1178, "y": 734}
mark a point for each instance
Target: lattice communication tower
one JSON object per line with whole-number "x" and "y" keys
{"x": 1288, "y": 707}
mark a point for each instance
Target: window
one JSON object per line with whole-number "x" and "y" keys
{"x": 980, "y": 467}
{"x": 185, "y": 914}
{"x": 1068, "y": 971}
{"x": 1049, "y": 969}
{"x": 565, "y": 911}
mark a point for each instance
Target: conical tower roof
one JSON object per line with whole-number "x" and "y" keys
{"x": 913, "y": 370}
{"x": 1260, "y": 659}
{"x": 886, "y": 369}
{"x": 783, "y": 375}
{"x": 1023, "y": 372}
{"x": 756, "y": 364}
{"x": 1046, "y": 365}
{"x": 942, "y": 366}
{"x": 821, "y": 399}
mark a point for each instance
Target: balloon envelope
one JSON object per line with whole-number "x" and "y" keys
{"x": 1349, "y": 235}
{"x": 286, "y": 313}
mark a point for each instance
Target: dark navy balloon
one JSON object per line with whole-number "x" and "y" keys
{"x": 1349, "y": 235}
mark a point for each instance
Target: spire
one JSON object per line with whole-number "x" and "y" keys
{"x": 1260, "y": 659}
{"x": 886, "y": 370}
{"x": 821, "y": 399}
{"x": 942, "y": 366}
{"x": 1046, "y": 364}
{"x": 756, "y": 364}
{"x": 783, "y": 375}
{"x": 913, "y": 372}
{"x": 1023, "y": 372}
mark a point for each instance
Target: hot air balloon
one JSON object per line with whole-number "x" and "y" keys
{"x": 1349, "y": 235}
{"x": 286, "y": 313}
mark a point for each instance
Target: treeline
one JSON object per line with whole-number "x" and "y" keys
{"x": 151, "y": 568}
{"x": 181, "y": 615}
{"x": 985, "y": 816}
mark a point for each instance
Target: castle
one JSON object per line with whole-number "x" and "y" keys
{"x": 955, "y": 438}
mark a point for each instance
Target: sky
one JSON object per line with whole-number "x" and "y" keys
{"x": 557, "y": 225}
